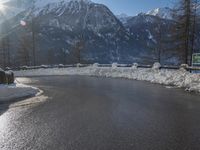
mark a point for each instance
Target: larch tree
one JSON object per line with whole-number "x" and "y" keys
{"x": 185, "y": 28}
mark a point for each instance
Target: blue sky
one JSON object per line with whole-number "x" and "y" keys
{"x": 133, "y": 7}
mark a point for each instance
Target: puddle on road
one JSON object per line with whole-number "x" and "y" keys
{"x": 170, "y": 87}
{"x": 25, "y": 80}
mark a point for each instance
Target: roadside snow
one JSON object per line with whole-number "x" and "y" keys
{"x": 16, "y": 91}
{"x": 179, "y": 78}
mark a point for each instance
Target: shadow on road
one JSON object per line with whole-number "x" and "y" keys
{"x": 3, "y": 108}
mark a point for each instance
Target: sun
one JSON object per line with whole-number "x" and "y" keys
{"x": 2, "y": 7}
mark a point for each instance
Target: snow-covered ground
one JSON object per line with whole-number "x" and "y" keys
{"x": 179, "y": 78}
{"x": 16, "y": 91}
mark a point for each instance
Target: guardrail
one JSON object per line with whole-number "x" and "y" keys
{"x": 186, "y": 67}
{"x": 193, "y": 68}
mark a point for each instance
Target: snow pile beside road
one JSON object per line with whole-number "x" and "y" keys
{"x": 16, "y": 91}
{"x": 179, "y": 78}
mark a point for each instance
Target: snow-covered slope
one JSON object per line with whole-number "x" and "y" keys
{"x": 123, "y": 18}
{"x": 13, "y": 7}
{"x": 43, "y": 3}
{"x": 165, "y": 13}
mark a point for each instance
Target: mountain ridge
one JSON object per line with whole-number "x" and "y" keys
{"x": 62, "y": 25}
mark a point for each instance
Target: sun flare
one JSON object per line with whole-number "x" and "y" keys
{"x": 2, "y": 7}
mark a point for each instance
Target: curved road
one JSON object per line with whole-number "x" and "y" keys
{"x": 88, "y": 113}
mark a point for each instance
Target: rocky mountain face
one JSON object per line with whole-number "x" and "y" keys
{"x": 69, "y": 31}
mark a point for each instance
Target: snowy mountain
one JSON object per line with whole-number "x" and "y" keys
{"x": 60, "y": 24}
{"x": 145, "y": 30}
{"x": 13, "y": 7}
{"x": 123, "y": 18}
{"x": 165, "y": 13}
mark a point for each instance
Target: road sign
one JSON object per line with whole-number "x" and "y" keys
{"x": 196, "y": 59}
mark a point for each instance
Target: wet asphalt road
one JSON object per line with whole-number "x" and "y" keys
{"x": 88, "y": 113}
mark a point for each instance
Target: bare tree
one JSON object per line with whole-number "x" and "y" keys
{"x": 78, "y": 49}
{"x": 2, "y": 54}
{"x": 159, "y": 40}
{"x": 33, "y": 29}
{"x": 31, "y": 26}
{"x": 5, "y": 52}
{"x": 24, "y": 51}
{"x": 50, "y": 56}
{"x": 5, "y": 45}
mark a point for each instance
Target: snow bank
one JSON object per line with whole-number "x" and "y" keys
{"x": 16, "y": 91}
{"x": 179, "y": 78}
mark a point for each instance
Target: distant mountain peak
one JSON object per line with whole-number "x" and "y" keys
{"x": 165, "y": 13}
{"x": 123, "y": 17}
